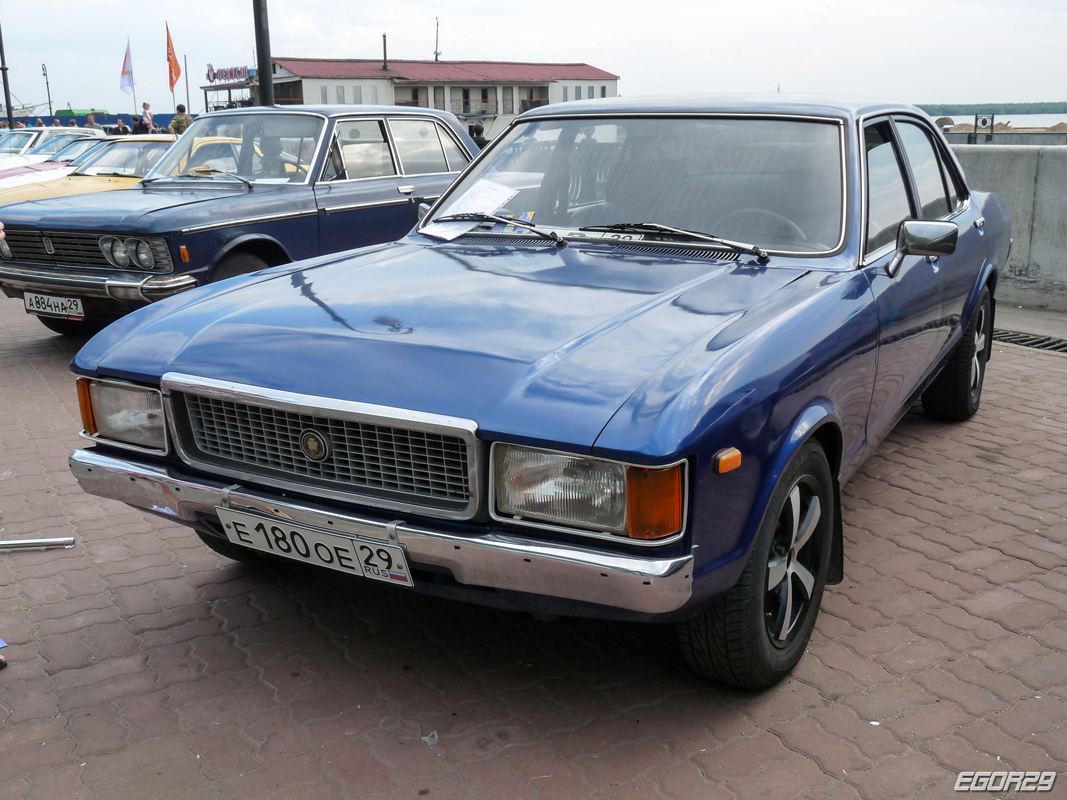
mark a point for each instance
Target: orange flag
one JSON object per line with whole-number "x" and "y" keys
{"x": 172, "y": 62}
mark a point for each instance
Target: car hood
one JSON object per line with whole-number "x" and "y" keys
{"x": 535, "y": 343}
{"x": 43, "y": 187}
{"x": 132, "y": 209}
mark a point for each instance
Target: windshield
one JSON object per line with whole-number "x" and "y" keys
{"x": 52, "y": 145}
{"x": 125, "y": 159}
{"x": 771, "y": 182}
{"x": 270, "y": 148}
{"x": 71, "y": 150}
{"x": 14, "y": 142}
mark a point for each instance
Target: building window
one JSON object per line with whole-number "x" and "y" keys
{"x": 590, "y": 93}
{"x": 439, "y": 98}
{"x": 357, "y": 94}
{"x": 603, "y": 91}
{"x": 374, "y": 95}
{"x": 564, "y": 94}
{"x": 341, "y": 95}
{"x": 324, "y": 98}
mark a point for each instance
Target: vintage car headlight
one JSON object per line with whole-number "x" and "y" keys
{"x": 140, "y": 252}
{"x": 539, "y": 486}
{"x": 114, "y": 250}
{"x": 5, "y": 249}
{"x": 123, "y": 413}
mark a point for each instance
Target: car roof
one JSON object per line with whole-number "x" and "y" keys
{"x": 141, "y": 137}
{"x": 334, "y": 111}
{"x": 838, "y": 106}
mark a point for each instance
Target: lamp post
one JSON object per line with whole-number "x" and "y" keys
{"x": 47, "y": 88}
{"x": 263, "y": 65}
{"x": 7, "y": 88}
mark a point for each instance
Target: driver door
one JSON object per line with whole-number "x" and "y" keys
{"x": 361, "y": 198}
{"x": 908, "y": 303}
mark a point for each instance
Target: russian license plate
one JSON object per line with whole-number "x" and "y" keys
{"x": 349, "y": 554}
{"x": 46, "y": 305}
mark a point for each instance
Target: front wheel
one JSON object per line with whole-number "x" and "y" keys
{"x": 754, "y": 635}
{"x": 956, "y": 392}
{"x": 236, "y": 264}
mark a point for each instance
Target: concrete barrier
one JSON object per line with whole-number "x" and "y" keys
{"x": 1033, "y": 184}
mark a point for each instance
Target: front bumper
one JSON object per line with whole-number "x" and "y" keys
{"x": 493, "y": 560}
{"x": 117, "y": 286}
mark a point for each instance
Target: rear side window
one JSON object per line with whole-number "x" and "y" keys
{"x": 419, "y": 146}
{"x": 364, "y": 149}
{"x": 457, "y": 159}
{"x": 887, "y": 194}
{"x": 925, "y": 170}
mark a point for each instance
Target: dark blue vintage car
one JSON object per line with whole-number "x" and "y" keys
{"x": 622, "y": 368}
{"x": 240, "y": 191}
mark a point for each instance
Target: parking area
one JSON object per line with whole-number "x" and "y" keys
{"x": 141, "y": 665}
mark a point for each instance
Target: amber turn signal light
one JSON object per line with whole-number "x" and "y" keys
{"x": 654, "y": 499}
{"x": 727, "y": 460}
{"x": 185, "y": 254}
{"x": 85, "y": 405}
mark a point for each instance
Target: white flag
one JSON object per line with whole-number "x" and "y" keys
{"x": 126, "y": 81}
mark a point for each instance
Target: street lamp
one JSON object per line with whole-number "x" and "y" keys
{"x": 47, "y": 88}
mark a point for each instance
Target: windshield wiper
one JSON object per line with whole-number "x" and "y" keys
{"x": 479, "y": 216}
{"x": 112, "y": 175}
{"x": 654, "y": 227}
{"x": 201, "y": 172}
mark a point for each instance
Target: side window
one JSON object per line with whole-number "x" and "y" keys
{"x": 457, "y": 159}
{"x": 950, "y": 182}
{"x": 925, "y": 170}
{"x": 418, "y": 146}
{"x": 363, "y": 150}
{"x": 887, "y": 194}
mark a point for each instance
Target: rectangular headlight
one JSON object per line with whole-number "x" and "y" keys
{"x": 123, "y": 413}
{"x": 587, "y": 493}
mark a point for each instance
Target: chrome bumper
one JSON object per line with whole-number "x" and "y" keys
{"x": 121, "y": 287}
{"x": 495, "y": 560}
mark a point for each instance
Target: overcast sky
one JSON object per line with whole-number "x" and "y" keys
{"x": 920, "y": 51}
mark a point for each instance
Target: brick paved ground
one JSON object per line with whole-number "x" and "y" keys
{"x": 143, "y": 666}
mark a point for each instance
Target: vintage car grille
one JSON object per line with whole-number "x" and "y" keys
{"x": 419, "y": 467}
{"x": 73, "y": 250}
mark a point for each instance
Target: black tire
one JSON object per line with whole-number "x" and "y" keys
{"x": 71, "y": 327}
{"x": 236, "y": 264}
{"x": 956, "y": 392}
{"x": 754, "y": 635}
{"x": 224, "y": 547}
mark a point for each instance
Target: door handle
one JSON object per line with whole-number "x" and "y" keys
{"x": 405, "y": 189}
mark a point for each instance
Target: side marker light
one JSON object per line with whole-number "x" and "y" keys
{"x": 727, "y": 460}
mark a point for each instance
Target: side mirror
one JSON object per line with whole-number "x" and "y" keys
{"x": 920, "y": 237}
{"x": 423, "y": 209}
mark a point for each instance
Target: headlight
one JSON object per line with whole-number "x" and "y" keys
{"x": 120, "y": 257}
{"x": 123, "y": 413}
{"x": 5, "y": 249}
{"x": 140, "y": 252}
{"x": 537, "y": 486}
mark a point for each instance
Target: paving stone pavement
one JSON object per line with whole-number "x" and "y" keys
{"x": 144, "y": 666}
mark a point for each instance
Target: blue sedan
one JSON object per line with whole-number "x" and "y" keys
{"x": 241, "y": 190}
{"x": 622, "y": 368}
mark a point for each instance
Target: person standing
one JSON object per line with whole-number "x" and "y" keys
{"x": 139, "y": 125}
{"x": 39, "y": 123}
{"x": 146, "y": 115}
{"x": 90, "y": 122}
{"x": 122, "y": 129}
{"x": 56, "y": 123}
{"x": 73, "y": 123}
{"x": 180, "y": 122}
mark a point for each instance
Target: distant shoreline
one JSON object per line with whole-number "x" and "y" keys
{"x": 958, "y": 110}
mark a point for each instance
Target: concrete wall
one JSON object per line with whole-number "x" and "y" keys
{"x": 1006, "y": 138}
{"x": 1032, "y": 181}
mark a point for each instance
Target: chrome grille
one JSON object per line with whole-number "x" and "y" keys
{"x": 75, "y": 250}
{"x": 427, "y": 468}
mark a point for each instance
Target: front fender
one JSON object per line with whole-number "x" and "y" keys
{"x": 252, "y": 242}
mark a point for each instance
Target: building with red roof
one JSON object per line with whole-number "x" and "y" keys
{"x": 487, "y": 92}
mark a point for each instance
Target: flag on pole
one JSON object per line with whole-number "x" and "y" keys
{"x": 126, "y": 81}
{"x": 172, "y": 62}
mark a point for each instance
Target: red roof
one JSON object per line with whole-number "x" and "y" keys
{"x": 442, "y": 71}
